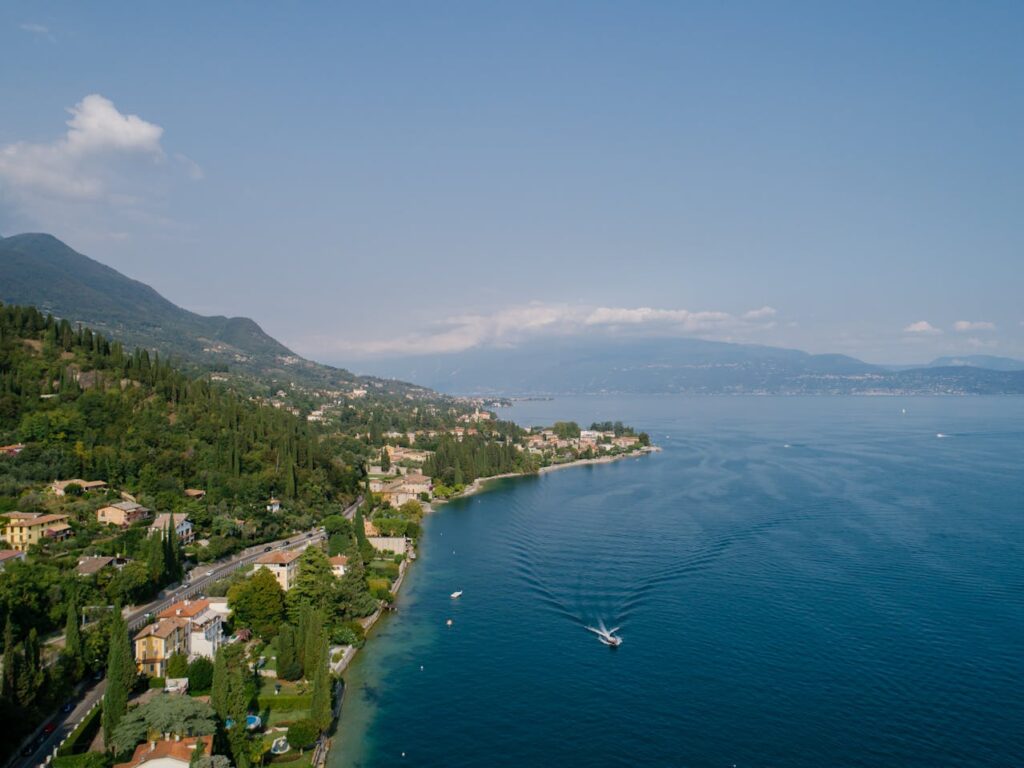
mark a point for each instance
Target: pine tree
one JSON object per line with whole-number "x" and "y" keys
{"x": 120, "y": 675}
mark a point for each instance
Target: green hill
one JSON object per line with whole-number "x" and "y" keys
{"x": 40, "y": 270}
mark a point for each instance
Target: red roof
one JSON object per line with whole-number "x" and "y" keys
{"x": 175, "y": 750}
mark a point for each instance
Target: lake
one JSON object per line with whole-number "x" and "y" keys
{"x": 798, "y": 581}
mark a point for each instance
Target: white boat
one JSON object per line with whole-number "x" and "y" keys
{"x": 607, "y": 636}
{"x": 456, "y": 595}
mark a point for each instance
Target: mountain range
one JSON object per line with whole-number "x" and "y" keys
{"x": 41, "y": 270}
{"x": 687, "y": 365}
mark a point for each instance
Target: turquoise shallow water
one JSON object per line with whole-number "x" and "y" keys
{"x": 800, "y": 582}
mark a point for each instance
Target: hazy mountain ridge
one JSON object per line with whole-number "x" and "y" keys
{"x": 40, "y": 270}
{"x": 658, "y": 366}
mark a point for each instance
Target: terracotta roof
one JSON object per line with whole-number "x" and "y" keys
{"x": 174, "y": 750}
{"x": 339, "y": 560}
{"x": 185, "y": 609}
{"x": 87, "y": 566}
{"x": 164, "y": 628}
{"x": 281, "y": 557}
{"x": 10, "y": 554}
{"x": 37, "y": 519}
{"x": 161, "y": 519}
{"x": 194, "y": 492}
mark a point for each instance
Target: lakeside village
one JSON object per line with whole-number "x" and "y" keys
{"x": 191, "y": 586}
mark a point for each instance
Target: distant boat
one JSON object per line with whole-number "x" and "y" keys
{"x": 456, "y": 595}
{"x": 939, "y": 434}
{"x": 607, "y": 636}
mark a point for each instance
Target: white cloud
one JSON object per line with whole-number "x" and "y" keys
{"x": 922, "y": 327}
{"x": 38, "y": 29}
{"x": 515, "y": 324}
{"x": 96, "y": 159}
{"x": 982, "y": 343}
{"x": 966, "y": 326}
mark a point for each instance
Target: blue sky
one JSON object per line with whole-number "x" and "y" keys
{"x": 399, "y": 177}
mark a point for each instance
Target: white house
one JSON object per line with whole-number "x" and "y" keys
{"x": 339, "y": 564}
{"x": 182, "y": 527}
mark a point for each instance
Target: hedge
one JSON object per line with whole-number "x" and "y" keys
{"x": 78, "y": 740}
{"x": 285, "y": 703}
{"x": 85, "y": 760}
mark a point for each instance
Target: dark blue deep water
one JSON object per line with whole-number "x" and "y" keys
{"x": 800, "y": 582}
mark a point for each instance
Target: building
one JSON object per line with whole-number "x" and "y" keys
{"x": 626, "y": 441}
{"x": 157, "y": 642}
{"x": 122, "y": 514}
{"x": 397, "y": 545}
{"x": 274, "y": 505}
{"x": 339, "y": 564}
{"x": 195, "y": 493}
{"x": 284, "y": 564}
{"x": 11, "y": 450}
{"x": 169, "y": 753}
{"x": 90, "y": 566}
{"x": 59, "y": 486}
{"x": 406, "y": 488}
{"x": 205, "y": 626}
{"x": 9, "y": 556}
{"x": 182, "y": 526}
{"x": 25, "y": 529}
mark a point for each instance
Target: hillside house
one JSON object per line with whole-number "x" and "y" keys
{"x": 284, "y": 564}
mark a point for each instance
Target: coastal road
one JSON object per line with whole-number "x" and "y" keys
{"x": 197, "y": 581}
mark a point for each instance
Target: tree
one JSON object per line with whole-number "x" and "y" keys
{"x": 320, "y": 709}
{"x": 314, "y": 583}
{"x": 302, "y": 734}
{"x": 120, "y": 675}
{"x": 258, "y": 603}
{"x": 385, "y": 459}
{"x": 74, "y": 659}
{"x": 177, "y": 665}
{"x": 200, "y": 675}
{"x": 288, "y": 666}
{"x": 10, "y": 672}
{"x": 176, "y": 715}
{"x": 219, "y": 686}
{"x": 312, "y": 642}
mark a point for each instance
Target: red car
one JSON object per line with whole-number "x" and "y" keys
{"x": 49, "y": 728}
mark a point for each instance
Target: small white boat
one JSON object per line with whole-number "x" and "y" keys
{"x": 939, "y": 435}
{"x": 456, "y": 595}
{"x": 607, "y": 636}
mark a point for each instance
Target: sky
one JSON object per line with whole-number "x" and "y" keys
{"x": 396, "y": 178}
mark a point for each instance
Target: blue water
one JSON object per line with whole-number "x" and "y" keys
{"x": 799, "y": 581}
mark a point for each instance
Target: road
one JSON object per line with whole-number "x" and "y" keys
{"x": 198, "y": 580}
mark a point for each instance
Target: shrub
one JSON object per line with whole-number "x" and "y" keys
{"x": 200, "y": 675}
{"x": 157, "y": 682}
{"x": 349, "y": 633}
{"x": 302, "y": 734}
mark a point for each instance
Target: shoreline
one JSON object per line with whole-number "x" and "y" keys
{"x": 477, "y": 486}
{"x": 480, "y": 483}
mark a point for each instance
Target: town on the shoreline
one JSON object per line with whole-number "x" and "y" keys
{"x": 186, "y": 567}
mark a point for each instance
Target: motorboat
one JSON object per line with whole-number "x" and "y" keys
{"x": 607, "y": 636}
{"x": 456, "y": 595}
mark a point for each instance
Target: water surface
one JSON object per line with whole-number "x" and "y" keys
{"x": 799, "y": 582}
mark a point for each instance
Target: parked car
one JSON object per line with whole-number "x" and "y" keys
{"x": 267, "y": 549}
{"x": 49, "y": 728}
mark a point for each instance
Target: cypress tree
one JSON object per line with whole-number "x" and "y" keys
{"x": 320, "y": 709}
{"x": 219, "y": 692}
{"x": 10, "y": 678}
{"x": 73, "y": 644}
{"x": 120, "y": 675}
